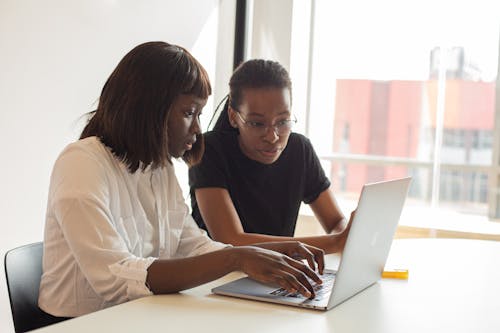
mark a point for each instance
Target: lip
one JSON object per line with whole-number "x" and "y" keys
{"x": 189, "y": 144}
{"x": 270, "y": 153}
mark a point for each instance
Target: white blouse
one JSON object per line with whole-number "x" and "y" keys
{"x": 105, "y": 226}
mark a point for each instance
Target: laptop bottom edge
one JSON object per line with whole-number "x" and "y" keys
{"x": 307, "y": 304}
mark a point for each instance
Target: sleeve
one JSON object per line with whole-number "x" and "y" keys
{"x": 81, "y": 206}
{"x": 316, "y": 180}
{"x": 212, "y": 170}
{"x": 193, "y": 240}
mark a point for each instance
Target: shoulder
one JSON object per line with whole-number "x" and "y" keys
{"x": 88, "y": 149}
{"x": 217, "y": 142}
{"x": 90, "y": 146}
{"x": 216, "y": 160}
{"x": 300, "y": 150}
{"x": 82, "y": 170}
{"x": 299, "y": 141}
{"x": 218, "y": 138}
{"x": 86, "y": 159}
{"x": 299, "y": 138}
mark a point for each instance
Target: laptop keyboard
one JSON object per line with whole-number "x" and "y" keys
{"x": 319, "y": 289}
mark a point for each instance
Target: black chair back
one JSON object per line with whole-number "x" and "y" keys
{"x": 23, "y": 271}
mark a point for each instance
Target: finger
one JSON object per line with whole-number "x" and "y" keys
{"x": 303, "y": 252}
{"x": 299, "y": 283}
{"x": 353, "y": 214}
{"x": 319, "y": 257}
{"x": 282, "y": 281}
{"x": 304, "y": 269}
{"x": 286, "y": 281}
{"x": 305, "y": 283}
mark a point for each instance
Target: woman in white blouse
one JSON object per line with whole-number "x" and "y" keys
{"x": 117, "y": 227}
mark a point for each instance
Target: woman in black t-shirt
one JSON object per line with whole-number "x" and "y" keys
{"x": 255, "y": 172}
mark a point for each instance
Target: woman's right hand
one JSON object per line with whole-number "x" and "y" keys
{"x": 272, "y": 267}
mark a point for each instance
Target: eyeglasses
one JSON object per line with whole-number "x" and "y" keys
{"x": 282, "y": 127}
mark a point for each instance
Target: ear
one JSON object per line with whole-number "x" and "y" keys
{"x": 231, "y": 115}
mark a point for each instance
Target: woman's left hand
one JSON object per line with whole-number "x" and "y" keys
{"x": 298, "y": 251}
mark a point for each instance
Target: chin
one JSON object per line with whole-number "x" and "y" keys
{"x": 267, "y": 160}
{"x": 262, "y": 158}
{"x": 177, "y": 154}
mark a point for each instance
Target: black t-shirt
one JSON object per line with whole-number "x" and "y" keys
{"x": 266, "y": 197}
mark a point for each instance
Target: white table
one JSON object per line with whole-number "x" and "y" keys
{"x": 454, "y": 286}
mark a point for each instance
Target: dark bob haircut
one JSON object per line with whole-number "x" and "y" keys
{"x": 133, "y": 109}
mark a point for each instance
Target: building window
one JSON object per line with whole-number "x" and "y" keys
{"x": 407, "y": 91}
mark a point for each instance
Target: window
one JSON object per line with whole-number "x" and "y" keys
{"x": 391, "y": 88}
{"x": 405, "y": 88}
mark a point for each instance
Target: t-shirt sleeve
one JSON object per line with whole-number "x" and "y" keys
{"x": 316, "y": 180}
{"x": 212, "y": 170}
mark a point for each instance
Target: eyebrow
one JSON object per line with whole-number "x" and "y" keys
{"x": 198, "y": 101}
{"x": 192, "y": 104}
{"x": 255, "y": 114}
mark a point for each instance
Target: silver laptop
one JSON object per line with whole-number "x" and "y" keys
{"x": 363, "y": 259}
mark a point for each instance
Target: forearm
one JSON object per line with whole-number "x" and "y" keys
{"x": 173, "y": 275}
{"x": 243, "y": 238}
{"x": 324, "y": 242}
{"x": 338, "y": 227}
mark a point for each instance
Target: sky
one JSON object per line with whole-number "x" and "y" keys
{"x": 392, "y": 39}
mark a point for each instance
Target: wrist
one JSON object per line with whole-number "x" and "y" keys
{"x": 273, "y": 246}
{"x": 235, "y": 258}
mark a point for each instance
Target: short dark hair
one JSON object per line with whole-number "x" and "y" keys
{"x": 133, "y": 110}
{"x": 255, "y": 73}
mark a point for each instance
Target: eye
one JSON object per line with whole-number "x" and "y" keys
{"x": 190, "y": 113}
{"x": 255, "y": 124}
{"x": 283, "y": 122}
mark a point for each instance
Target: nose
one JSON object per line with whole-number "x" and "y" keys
{"x": 271, "y": 134}
{"x": 196, "y": 125}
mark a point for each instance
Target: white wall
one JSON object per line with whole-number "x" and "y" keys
{"x": 54, "y": 58}
{"x": 270, "y": 36}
